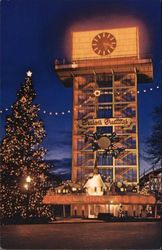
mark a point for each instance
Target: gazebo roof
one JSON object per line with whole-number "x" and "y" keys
{"x": 95, "y": 181}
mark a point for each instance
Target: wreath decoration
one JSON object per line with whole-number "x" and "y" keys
{"x": 104, "y": 142}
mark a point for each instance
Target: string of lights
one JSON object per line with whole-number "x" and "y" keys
{"x": 69, "y": 111}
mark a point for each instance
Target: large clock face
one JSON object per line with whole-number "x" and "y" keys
{"x": 104, "y": 43}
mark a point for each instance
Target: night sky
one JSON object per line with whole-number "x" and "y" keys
{"x": 36, "y": 32}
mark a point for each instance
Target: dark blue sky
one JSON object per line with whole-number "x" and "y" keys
{"x": 35, "y": 32}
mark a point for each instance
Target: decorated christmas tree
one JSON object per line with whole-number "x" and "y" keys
{"x": 23, "y": 169}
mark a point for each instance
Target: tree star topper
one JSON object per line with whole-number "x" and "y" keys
{"x": 29, "y": 73}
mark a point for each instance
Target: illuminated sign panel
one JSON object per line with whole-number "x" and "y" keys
{"x": 112, "y": 43}
{"x": 105, "y": 199}
{"x": 105, "y": 122}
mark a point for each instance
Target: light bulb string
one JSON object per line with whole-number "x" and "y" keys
{"x": 90, "y": 98}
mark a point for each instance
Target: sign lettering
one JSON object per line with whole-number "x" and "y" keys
{"x": 86, "y": 199}
{"x": 106, "y": 122}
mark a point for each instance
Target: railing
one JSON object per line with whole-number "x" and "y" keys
{"x": 65, "y": 61}
{"x": 149, "y": 170}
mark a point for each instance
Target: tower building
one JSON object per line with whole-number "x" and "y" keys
{"x": 104, "y": 72}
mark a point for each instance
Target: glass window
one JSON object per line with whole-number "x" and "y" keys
{"x": 105, "y": 160}
{"x": 129, "y": 174}
{"x": 105, "y": 113}
{"x": 105, "y": 98}
{"x": 105, "y": 130}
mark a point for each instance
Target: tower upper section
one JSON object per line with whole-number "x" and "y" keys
{"x": 105, "y": 51}
{"x": 109, "y": 43}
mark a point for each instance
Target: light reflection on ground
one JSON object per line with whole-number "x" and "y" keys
{"x": 126, "y": 235}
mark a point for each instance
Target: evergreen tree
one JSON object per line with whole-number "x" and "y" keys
{"x": 23, "y": 169}
{"x": 154, "y": 141}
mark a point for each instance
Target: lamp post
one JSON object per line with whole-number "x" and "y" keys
{"x": 27, "y": 187}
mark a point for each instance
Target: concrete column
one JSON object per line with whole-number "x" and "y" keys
{"x": 71, "y": 211}
{"x": 155, "y": 210}
{"x": 108, "y": 208}
{"x": 64, "y": 214}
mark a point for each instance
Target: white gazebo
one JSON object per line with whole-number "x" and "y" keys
{"x": 95, "y": 185}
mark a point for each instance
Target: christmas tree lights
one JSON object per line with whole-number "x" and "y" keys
{"x": 23, "y": 169}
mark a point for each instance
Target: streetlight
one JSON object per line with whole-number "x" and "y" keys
{"x": 27, "y": 186}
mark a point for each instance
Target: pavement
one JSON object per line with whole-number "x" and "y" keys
{"x": 60, "y": 220}
{"x": 116, "y": 235}
{"x": 67, "y": 220}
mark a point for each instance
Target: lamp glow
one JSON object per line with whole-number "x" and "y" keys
{"x": 26, "y": 186}
{"x": 28, "y": 179}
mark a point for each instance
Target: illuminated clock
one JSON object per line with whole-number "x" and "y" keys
{"x": 104, "y": 43}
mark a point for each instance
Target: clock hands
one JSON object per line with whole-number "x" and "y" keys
{"x": 104, "y": 43}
